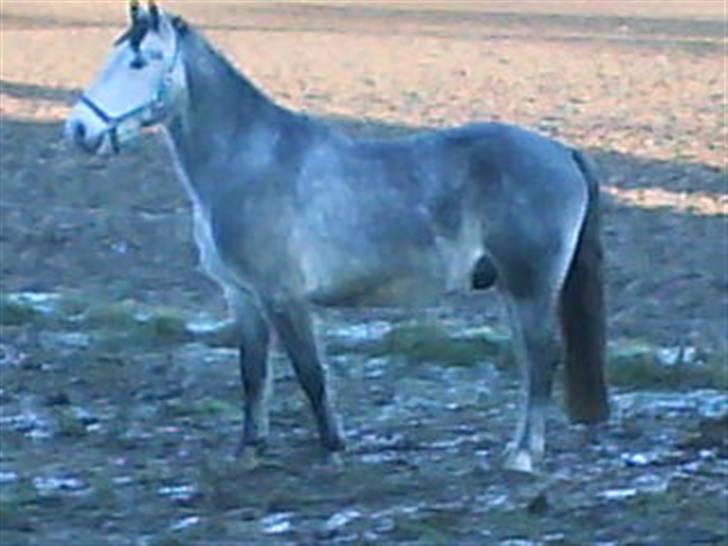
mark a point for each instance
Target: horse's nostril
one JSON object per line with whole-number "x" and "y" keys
{"x": 79, "y": 131}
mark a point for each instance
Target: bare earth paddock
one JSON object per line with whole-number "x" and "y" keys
{"x": 119, "y": 411}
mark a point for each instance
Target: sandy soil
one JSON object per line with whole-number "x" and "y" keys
{"x": 643, "y": 94}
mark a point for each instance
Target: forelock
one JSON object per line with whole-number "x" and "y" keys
{"x": 135, "y": 33}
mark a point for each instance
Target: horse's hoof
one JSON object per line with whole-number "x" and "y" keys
{"x": 248, "y": 457}
{"x": 519, "y": 460}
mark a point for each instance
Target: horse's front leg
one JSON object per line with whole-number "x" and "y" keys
{"x": 292, "y": 321}
{"x": 253, "y": 335}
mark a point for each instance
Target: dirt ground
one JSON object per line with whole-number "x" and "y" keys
{"x": 640, "y": 85}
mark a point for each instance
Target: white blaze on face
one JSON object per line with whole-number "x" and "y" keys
{"x": 129, "y": 82}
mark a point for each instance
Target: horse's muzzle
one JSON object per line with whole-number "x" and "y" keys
{"x": 76, "y": 132}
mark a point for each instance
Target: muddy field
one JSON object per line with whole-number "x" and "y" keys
{"x": 119, "y": 401}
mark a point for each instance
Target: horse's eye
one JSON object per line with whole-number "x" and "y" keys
{"x": 137, "y": 63}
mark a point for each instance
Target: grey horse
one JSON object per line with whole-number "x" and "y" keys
{"x": 290, "y": 214}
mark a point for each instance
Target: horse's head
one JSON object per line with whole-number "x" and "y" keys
{"x": 140, "y": 85}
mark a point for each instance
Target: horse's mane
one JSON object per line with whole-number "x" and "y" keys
{"x": 229, "y": 75}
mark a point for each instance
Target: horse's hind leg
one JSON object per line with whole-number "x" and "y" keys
{"x": 253, "y": 336}
{"x": 295, "y": 329}
{"x": 530, "y": 276}
{"x": 531, "y": 319}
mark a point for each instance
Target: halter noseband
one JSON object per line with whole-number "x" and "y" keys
{"x": 149, "y": 108}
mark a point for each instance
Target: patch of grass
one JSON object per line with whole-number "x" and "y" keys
{"x": 111, "y": 316}
{"x": 211, "y": 407}
{"x": 215, "y": 406}
{"x": 13, "y": 517}
{"x": 165, "y": 326}
{"x": 169, "y": 539}
{"x": 16, "y": 313}
{"x": 69, "y": 426}
{"x": 430, "y": 342}
{"x": 20, "y": 507}
{"x": 47, "y": 310}
{"x": 71, "y": 305}
{"x": 636, "y": 364}
{"x": 101, "y": 500}
{"x": 421, "y": 531}
{"x": 127, "y": 322}
{"x": 447, "y": 521}
{"x": 715, "y": 371}
{"x": 698, "y": 513}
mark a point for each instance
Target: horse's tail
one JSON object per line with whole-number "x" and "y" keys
{"x": 582, "y": 313}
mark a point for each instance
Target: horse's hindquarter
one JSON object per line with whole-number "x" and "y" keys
{"x": 531, "y": 194}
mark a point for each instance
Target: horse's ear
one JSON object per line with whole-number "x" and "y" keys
{"x": 154, "y": 15}
{"x": 134, "y": 11}
{"x": 180, "y": 25}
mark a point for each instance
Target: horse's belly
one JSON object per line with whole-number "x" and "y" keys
{"x": 366, "y": 275}
{"x": 369, "y": 291}
{"x": 392, "y": 273}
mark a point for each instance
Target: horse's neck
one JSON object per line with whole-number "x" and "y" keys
{"x": 227, "y": 123}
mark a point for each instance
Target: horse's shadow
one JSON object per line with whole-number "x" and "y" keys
{"x": 664, "y": 227}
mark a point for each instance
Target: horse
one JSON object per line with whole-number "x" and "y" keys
{"x": 291, "y": 214}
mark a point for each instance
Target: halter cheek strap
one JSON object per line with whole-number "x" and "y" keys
{"x": 114, "y": 122}
{"x": 111, "y": 122}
